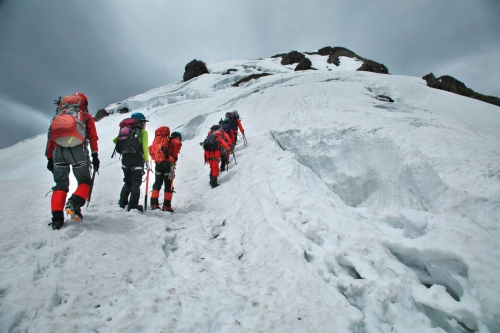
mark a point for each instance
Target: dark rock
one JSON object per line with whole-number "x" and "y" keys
{"x": 372, "y": 66}
{"x": 229, "y": 71}
{"x": 449, "y": 83}
{"x": 431, "y": 80}
{"x": 123, "y": 110}
{"x": 384, "y": 98}
{"x": 334, "y": 53}
{"x": 453, "y": 84}
{"x": 194, "y": 69}
{"x": 304, "y": 65}
{"x": 337, "y": 51}
{"x": 293, "y": 57}
{"x": 101, "y": 113}
{"x": 250, "y": 77}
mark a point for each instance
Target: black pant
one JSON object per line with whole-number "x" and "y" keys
{"x": 133, "y": 169}
{"x": 161, "y": 177}
{"x": 224, "y": 155}
{"x": 78, "y": 158}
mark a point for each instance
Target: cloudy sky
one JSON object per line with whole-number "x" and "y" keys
{"x": 114, "y": 49}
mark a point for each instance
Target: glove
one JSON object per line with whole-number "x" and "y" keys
{"x": 50, "y": 165}
{"x": 95, "y": 161}
{"x": 147, "y": 166}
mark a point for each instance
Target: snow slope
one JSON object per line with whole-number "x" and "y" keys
{"x": 344, "y": 213}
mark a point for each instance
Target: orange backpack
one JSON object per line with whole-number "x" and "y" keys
{"x": 68, "y": 128}
{"x": 162, "y": 139}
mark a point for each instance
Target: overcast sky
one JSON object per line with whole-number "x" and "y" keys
{"x": 113, "y": 49}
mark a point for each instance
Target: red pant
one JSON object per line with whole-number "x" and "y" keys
{"x": 213, "y": 159}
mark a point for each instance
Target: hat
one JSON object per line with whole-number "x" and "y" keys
{"x": 138, "y": 115}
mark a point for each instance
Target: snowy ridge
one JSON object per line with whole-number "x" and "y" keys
{"x": 345, "y": 213}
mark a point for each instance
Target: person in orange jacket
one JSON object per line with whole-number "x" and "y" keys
{"x": 165, "y": 173}
{"x": 62, "y": 153}
{"x": 217, "y": 146}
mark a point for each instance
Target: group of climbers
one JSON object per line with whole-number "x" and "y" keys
{"x": 132, "y": 144}
{"x": 73, "y": 129}
{"x": 71, "y": 132}
{"x": 219, "y": 144}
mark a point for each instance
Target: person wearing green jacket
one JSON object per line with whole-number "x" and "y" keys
{"x": 133, "y": 167}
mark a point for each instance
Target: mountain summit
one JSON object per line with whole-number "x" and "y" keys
{"x": 363, "y": 202}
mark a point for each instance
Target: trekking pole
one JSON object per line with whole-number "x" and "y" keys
{"x": 91, "y": 187}
{"x": 235, "y": 159}
{"x": 146, "y": 195}
{"x": 174, "y": 166}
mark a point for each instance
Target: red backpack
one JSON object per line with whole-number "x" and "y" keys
{"x": 162, "y": 139}
{"x": 68, "y": 128}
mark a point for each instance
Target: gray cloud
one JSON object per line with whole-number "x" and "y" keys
{"x": 20, "y": 122}
{"x": 113, "y": 49}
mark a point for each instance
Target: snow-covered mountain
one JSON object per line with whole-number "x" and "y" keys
{"x": 344, "y": 213}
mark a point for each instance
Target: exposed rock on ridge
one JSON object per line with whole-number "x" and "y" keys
{"x": 333, "y": 54}
{"x": 194, "y": 69}
{"x": 449, "y": 83}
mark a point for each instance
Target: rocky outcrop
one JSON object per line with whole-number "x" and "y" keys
{"x": 374, "y": 67}
{"x": 293, "y": 57}
{"x": 304, "y": 65}
{"x": 194, "y": 69}
{"x": 250, "y": 77}
{"x": 334, "y": 53}
{"x": 229, "y": 71}
{"x": 101, "y": 113}
{"x": 449, "y": 83}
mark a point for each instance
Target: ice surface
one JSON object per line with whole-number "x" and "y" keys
{"x": 344, "y": 213}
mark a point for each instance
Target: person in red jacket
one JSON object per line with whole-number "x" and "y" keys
{"x": 165, "y": 173}
{"x": 224, "y": 154}
{"x": 61, "y": 155}
{"x": 213, "y": 157}
{"x": 233, "y": 118}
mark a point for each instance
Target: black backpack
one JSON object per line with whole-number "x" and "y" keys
{"x": 128, "y": 137}
{"x": 211, "y": 143}
{"x": 233, "y": 121}
{"x": 225, "y": 125}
